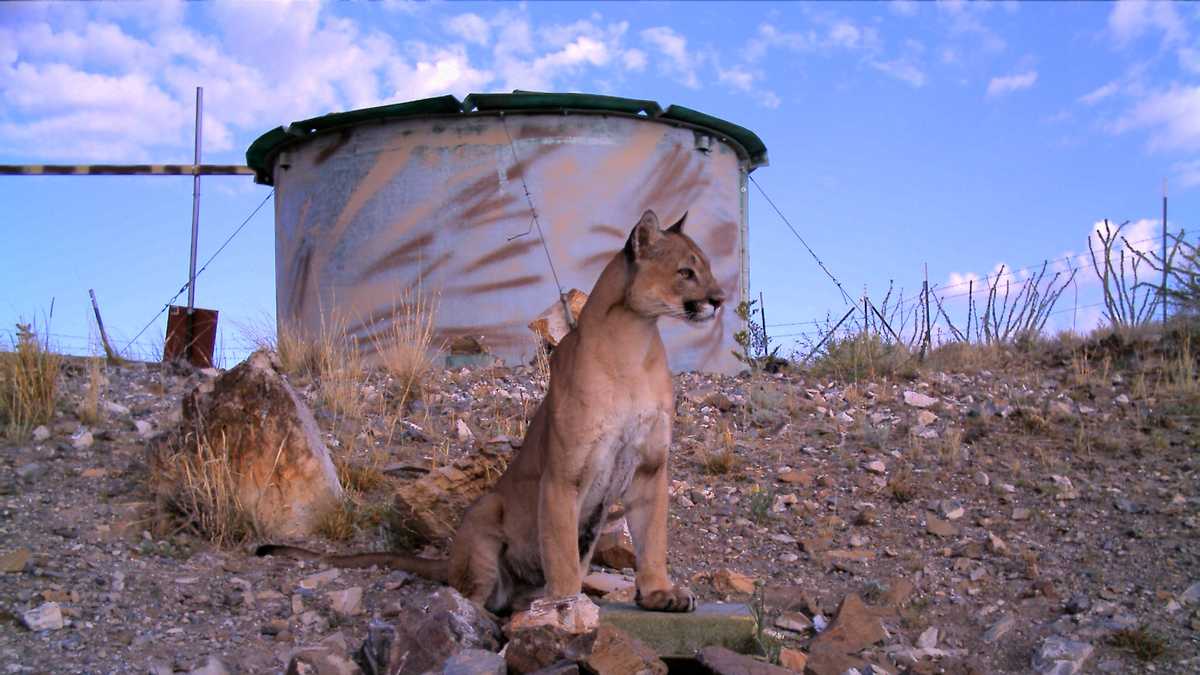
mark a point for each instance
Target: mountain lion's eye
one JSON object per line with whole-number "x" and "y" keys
{"x": 687, "y": 273}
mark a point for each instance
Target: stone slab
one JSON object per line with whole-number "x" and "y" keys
{"x": 681, "y": 635}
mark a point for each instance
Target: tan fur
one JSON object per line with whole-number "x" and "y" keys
{"x": 601, "y": 435}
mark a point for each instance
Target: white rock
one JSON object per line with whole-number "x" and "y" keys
{"x": 213, "y": 666}
{"x": 82, "y": 440}
{"x": 47, "y": 616}
{"x": 40, "y": 433}
{"x": 574, "y": 614}
{"x": 918, "y": 400}
{"x": 320, "y": 578}
{"x": 347, "y": 602}
{"x": 998, "y": 629}
{"x": 877, "y": 467}
{"x": 1060, "y": 656}
{"x": 114, "y": 408}
{"x": 1192, "y": 595}
{"x": 928, "y": 639}
{"x": 144, "y": 429}
{"x": 464, "y": 432}
{"x": 1122, "y": 400}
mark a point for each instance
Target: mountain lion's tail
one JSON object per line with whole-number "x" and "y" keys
{"x": 433, "y": 570}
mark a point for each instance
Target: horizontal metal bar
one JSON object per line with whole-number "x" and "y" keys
{"x": 125, "y": 170}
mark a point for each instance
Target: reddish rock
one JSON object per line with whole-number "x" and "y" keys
{"x": 614, "y": 547}
{"x": 248, "y": 427}
{"x": 729, "y": 582}
{"x": 793, "y": 659}
{"x": 855, "y": 628}
{"x": 723, "y": 661}
{"x": 615, "y": 652}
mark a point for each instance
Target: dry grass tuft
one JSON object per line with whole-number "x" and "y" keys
{"x": 405, "y": 348}
{"x": 202, "y": 495}
{"x": 724, "y": 460}
{"x": 1140, "y": 642}
{"x": 28, "y": 383}
{"x": 903, "y": 486}
{"x": 340, "y": 521}
{"x": 960, "y": 357}
{"x": 360, "y": 476}
{"x": 864, "y": 356}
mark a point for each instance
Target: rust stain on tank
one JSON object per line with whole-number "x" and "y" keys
{"x": 410, "y": 251}
{"x": 338, "y": 143}
{"x": 506, "y": 252}
{"x": 609, "y": 230}
{"x": 721, "y": 240}
{"x": 515, "y": 282}
{"x": 597, "y": 259}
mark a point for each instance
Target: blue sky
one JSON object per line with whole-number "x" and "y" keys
{"x": 962, "y": 135}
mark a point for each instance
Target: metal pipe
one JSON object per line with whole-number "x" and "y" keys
{"x": 124, "y": 170}
{"x": 195, "y": 207}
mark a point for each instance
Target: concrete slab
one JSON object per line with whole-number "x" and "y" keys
{"x": 681, "y": 635}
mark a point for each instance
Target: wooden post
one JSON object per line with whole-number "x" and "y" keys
{"x": 108, "y": 350}
{"x": 928, "y": 327}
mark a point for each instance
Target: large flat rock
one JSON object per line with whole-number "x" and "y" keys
{"x": 681, "y": 635}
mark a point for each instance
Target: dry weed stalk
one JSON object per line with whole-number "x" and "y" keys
{"x": 28, "y": 383}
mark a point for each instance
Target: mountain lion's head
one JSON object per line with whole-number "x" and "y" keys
{"x": 670, "y": 274}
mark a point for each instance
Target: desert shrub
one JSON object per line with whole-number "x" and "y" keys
{"x": 28, "y": 382}
{"x": 863, "y": 356}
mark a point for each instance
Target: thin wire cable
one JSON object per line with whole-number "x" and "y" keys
{"x": 202, "y": 267}
{"x": 845, "y": 295}
{"x": 537, "y": 222}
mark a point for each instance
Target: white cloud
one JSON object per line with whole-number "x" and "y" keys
{"x": 470, "y": 27}
{"x": 1100, "y": 93}
{"x": 903, "y": 7}
{"x": 737, "y": 78}
{"x": 845, "y": 34}
{"x": 769, "y": 99}
{"x": 634, "y": 59}
{"x": 673, "y": 47}
{"x": 999, "y": 86}
{"x": 1131, "y": 20}
{"x": 126, "y": 79}
{"x": 1172, "y": 118}
{"x": 965, "y": 22}
{"x": 901, "y": 69}
{"x": 568, "y": 51}
{"x": 438, "y": 72}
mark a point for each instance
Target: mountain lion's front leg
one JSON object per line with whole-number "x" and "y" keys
{"x": 558, "y": 525}
{"x": 646, "y": 511}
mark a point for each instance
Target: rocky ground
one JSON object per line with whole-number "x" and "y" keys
{"x": 986, "y": 515}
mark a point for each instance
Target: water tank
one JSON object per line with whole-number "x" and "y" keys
{"x": 431, "y": 195}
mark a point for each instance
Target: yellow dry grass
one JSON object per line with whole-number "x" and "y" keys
{"x": 28, "y": 383}
{"x": 198, "y": 493}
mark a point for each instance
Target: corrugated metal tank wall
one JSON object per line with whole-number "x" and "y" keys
{"x": 438, "y": 203}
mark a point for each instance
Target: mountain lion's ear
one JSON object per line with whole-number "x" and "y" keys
{"x": 643, "y": 236}
{"x": 677, "y": 228}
